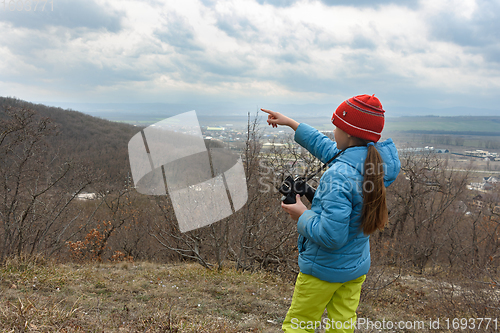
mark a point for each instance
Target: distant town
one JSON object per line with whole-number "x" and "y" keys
{"x": 234, "y": 138}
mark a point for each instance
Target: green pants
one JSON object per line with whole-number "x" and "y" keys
{"x": 310, "y": 298}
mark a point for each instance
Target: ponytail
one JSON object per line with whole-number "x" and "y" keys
{"x": 375, "y": 214}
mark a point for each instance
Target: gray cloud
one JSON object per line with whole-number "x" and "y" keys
{"x": 47, "y": 60}
{"x": 225, "y": 70}
{"x": 277, "y": 3}
{"x": 190, "y": 63}
{"x": 293, "y": 57}
{"x": 85, "y": 75}
{"x": 360, "y": 3}
{"x": 237, "y": 27}
{"x": 371, "y": 3}
{"x": 92, "y": 75}
{"x": 361, "y": 42}
{"x": 479, "y": 33}
{"x": 61, "y": 52}
{"x": 199, "y": 67}
{"x": 359, "y": 72}
{"x": 71, "y": 14}
{"x": 179, "y": 33}
{"x": 208, "y": 3}
{"x": 30, "y": 44}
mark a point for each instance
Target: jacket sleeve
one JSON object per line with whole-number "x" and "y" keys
{"x": 318, "y": 144}
{"x": 330, "y": 227}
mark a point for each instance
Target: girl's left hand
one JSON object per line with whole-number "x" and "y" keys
{"x": 295, "y": 210}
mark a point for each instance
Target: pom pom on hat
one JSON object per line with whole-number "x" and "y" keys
{"x": 361, "y": 116}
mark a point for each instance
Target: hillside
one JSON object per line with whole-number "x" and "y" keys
{"x": 438, "y": 256}
{"x": 100, "y": 144}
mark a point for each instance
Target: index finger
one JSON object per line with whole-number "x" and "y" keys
{"x": 268, "y": 111}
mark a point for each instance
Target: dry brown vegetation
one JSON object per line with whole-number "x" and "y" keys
{"x": 121, "y": 296}
{"x": 137, "y": 297}
{"x": 107, "y": 260}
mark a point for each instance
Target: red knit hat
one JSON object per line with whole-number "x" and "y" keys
{"x": 360, "y": 116}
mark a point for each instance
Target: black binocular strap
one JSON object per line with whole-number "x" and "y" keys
{"x": 324, "y": 166}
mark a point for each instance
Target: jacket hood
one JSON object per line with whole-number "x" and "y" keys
{"x": 355, "y": 157}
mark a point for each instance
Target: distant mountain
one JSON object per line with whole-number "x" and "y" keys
{"x": 445, "y": 112}
{"x": 151, "y": 112}
{"x": 456, "y": 125}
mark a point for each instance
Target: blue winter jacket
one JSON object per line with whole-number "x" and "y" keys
{"x": 332, "y": 246}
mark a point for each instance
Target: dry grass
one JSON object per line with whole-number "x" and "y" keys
{"x": 138, "y": 297}
{"x": 396, "y": 295}
{"x": 38, "y": 296}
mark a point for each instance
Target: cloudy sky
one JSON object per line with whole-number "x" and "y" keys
{"x": 428, "y": 53}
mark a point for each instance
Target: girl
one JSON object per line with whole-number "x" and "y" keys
{"x": 349, "y": 205}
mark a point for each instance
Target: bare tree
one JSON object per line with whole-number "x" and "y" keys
{"x": 259, "y": 235}
{"x": 423, "y": 211}
{"x": 36, "y": 188}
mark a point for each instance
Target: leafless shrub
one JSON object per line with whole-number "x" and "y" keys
{"x": 37, "y": 188}
{"x": 423, "y": 211}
